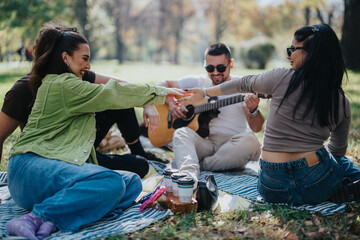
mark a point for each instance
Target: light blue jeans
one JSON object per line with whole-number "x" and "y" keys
{"x": 68, "y": 195}
{"x": 296, "y": 183}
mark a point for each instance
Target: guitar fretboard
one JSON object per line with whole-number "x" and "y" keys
{"x": 223, "y": 102}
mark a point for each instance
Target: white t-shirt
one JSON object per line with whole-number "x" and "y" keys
{"x": 231, "y": 119}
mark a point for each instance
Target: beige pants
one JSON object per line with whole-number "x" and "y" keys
{"x": 218, "y": 153}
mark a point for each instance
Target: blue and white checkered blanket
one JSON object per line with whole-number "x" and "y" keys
{"x": 131, "y": 220}
{"x": 246, "y": 186}
{"x": 241, "y": 184}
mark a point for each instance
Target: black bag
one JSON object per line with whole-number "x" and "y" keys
{"x": 207, "y": 194}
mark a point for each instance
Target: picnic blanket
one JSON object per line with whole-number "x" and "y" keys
{"x": 131, "y": 220}
{"x": 244, "y": 184}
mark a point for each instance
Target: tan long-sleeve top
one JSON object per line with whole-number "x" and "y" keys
{"x": 282, "y": 132}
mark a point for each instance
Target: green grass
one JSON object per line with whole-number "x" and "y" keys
{"x": 9, "y": 73}
{"x": 261, "y": 221}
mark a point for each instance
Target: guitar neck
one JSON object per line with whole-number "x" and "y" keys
{"x": 223, "y": 102}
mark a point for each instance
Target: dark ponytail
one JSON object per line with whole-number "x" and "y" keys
{"x": 52, "y": 41}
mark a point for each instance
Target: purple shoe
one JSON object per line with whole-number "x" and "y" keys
{"x": 25, "y": 226}
{"x": 45, "y": 230}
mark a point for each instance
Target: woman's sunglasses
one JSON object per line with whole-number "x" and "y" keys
{"x": 220, "y": 68}
{"x": 290, "y": 50}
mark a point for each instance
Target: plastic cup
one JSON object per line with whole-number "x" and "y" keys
{"x": 175, "y": 177}
{"x": 167, "y": 176}
{"x": 186, "y": 189}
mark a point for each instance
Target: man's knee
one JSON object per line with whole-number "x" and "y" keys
{"x": 182, "y": 133}
{"x": 250, "y": 141}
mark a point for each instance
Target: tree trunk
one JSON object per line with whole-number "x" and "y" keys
{"x": 220, "y": 23}
{"x": 319, "y": 15}
{"x": 351, "y": 34}
{"x": 161, "y": 33}
{"x": 119, "y": 11}
{"x": 120, "y": 46}
{"x": 178, "y": 29}
{"x": 307, "y": 16}
{"x": 81, "y": 11}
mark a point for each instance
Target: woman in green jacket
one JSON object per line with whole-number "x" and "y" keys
{"x": 53, "y": 170}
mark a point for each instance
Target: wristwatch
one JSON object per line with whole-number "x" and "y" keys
{"x": 205, "y": 94}
{"x": 255, "y": 113}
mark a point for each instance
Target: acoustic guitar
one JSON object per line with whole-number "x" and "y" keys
{"x": 164, "y": 134}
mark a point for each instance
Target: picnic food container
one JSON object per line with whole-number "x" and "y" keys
{"x": 175, "y": 177}
{"x": 185, "y": 186}
{"x": 167, "y": 176}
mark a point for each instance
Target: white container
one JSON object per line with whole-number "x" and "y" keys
{"x": 167, "y": 176}
{"x": 175, "y": 177}
{"x": 186, "y": 189}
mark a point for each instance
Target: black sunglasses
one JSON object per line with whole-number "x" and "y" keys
{"x": 220, "y": 68}
{"x": 290, "y": 50}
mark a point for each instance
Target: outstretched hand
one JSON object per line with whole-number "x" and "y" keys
{"x": 173, "y": 94}
{"x": 193, "y": 95}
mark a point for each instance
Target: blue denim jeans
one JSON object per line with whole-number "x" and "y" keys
{"x": 68, "y": 195}
{"x": 297, "y": 183}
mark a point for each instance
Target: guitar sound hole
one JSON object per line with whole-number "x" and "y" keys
{"x": 190, "y": 113}
{"x": 183, "y": 122}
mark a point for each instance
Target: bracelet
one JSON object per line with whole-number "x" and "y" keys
{"x": 205, "y": 93}
{"x": 255, "y": 113}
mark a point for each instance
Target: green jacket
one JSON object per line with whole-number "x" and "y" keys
{"x": 62, "y": 122}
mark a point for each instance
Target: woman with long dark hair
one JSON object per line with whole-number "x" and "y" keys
{"x": 305, "y": 140}
{"x": 53, "y": 169}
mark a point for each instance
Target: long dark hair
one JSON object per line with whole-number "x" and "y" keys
{"x": 52, "y": 41}
{"x": 320, "y": 76}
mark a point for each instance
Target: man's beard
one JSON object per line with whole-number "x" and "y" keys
{"x": 223, "y": 79}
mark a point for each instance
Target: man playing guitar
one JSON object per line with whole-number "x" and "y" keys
{"x": 231, "y": 142}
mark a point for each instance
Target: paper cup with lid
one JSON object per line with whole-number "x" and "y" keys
{"x": 167, "y": 176}
{"x": 185, "y": 186}
{"x": 175, "y": 177}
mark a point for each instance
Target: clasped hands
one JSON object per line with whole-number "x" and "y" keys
{"x": 150, "y": 114}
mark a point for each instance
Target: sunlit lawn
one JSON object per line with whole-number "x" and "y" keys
{"x": 261, "y": 221}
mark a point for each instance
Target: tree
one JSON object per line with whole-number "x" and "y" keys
{"x": 323, "y": 11}
{"x": 81, "y": 10}
{"x": 119, "y": 11}
{"x": 172, "y": 18}
{"x": 31, "y": 15}
{"x": 350, "y": 34}
{"x": 145, "y": 32}
{"x": 162, "y": 30}
{"x": 182, "y": 10}
{"x": 222, "y": 16}
{"x": 21, "y": 21}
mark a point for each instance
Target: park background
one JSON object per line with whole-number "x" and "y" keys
{"x": 146, "y": 41}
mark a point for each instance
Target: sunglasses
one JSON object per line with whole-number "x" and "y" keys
{"x": 290, "y": 50}
{"x": 220, "y": 68}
